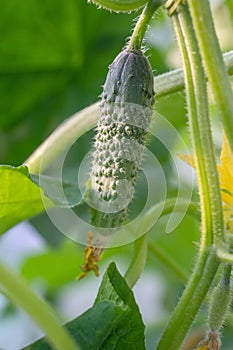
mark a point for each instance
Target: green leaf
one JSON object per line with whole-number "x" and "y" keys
{"x": 50, "y": 265}
{"x": 20, "y": 198}
{"x": 30, "y": 91}
{"x": 114, "y": 322}
{"x": 91, "y": 329}
{"x": 40, "y": 36}
{"x": 42, "y": 45}
{"x": 128, "y": 333}
{"x": 62, "y": 193}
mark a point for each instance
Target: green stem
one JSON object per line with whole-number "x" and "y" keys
{"x": 226, "y": 277}
{"x": 136, "y": 39}
{"x": 212, "y": 58}
{"x": 210, "y": 198}
{"x": 173, "y": 81}
{"x": 138, "y": 261}
{"x": 207, "y": 276}
{"x": 20, "y": 293}
{"x": 190, "y": 302}
{"x": 200, "y": 130}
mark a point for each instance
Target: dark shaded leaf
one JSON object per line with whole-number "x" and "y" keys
{"x": 128, "y": 334}
{"x": 92, "y": 328}
{"x": 62, "y": 193}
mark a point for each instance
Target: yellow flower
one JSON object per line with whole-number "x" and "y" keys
{"x": 92, "y": 255}
{"x": 225, "y": 171}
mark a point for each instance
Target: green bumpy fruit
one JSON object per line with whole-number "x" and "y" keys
{"x": 120, "y": 5}
{"x": 125, "y": 115}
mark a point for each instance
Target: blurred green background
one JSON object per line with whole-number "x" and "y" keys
{"x": 53, "y": 61}
{"x": 54, "y": 56}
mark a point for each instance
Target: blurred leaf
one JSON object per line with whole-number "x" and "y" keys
{"x": 129, "y": 332}
{"x": 182, "y": 239}
{"x": 20, "y": 198}
{"x": 92, "y": 328}
{"x": 40, "y": 36}
{"x": 44, "y": 97}
{"x": 173, "y": 108}
{"x": 42, "y": 44}
{"x": 27, "y": 90}
{"x": 56, "y": 266}
{"x": 61, "y": 192}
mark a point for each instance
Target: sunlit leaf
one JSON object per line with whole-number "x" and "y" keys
{"x": 20, "y": 198}
{"x": 56, "y": 266}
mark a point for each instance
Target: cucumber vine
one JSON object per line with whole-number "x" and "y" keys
{"x": 129, "y": 83}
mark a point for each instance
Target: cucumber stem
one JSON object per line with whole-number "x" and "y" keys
{"x": 139, "y": 31}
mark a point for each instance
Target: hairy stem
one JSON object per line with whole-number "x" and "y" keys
{"x": 136, "y": 39}
{"x": 138, "y": 261}
{"x": 213, "y": 62}
{"x": 200, "y": 130}
{"x": 210, "y": 198}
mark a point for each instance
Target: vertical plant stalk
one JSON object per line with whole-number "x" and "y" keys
{"x": 213, "y": 62}
{"x": 211, "y": 208}
{"x": 18, "y": 291}
{"x": 138, "y": 261}
{"x": 200, "y": 131}
{"x": 139, "y": 31}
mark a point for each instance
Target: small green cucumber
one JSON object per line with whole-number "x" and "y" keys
{"x": 220, "y": 303}
{"x": 125, "y": 115}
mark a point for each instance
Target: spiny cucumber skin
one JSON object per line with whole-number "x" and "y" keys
{"x": 220, "y": 304}
{"x": 125, "y": 115}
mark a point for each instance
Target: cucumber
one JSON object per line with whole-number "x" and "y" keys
{"x": 125, "y": 115}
